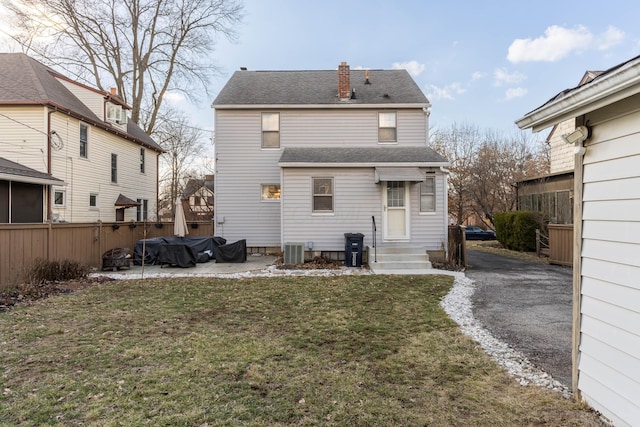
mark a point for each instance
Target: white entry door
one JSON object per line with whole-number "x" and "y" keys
{"x": 396, "y": 210}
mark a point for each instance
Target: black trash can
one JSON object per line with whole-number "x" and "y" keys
{"x": 353, "y": 249}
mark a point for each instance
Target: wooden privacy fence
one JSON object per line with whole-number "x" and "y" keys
{"x": 457, "y": 253}
{"x": 22, "y": 244}
{"x": 561, "y": 244}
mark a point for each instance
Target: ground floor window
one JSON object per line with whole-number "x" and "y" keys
{"x": 58, "y": 198}
{"x": 322, "y": 195}
{"x": 270, "y": 192}
{"x": 93, "y": 200}
{"x": 428, "y": 195}
{"x": 142, "y": 210}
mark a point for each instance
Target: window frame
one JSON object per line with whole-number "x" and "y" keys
{"x": 84, "y": 144}
{"x": 269, "y": 131}
{"x": 432, "y": 194}
{"x": 95, "y": 196}
{"x": 114, "y": 168}
{"x": 142, "y": 159}
{"x": 142, "y": 210}
{"x": 270, "y": 199}
{"x": 64, "y": 198}
{"x": 315, "y": 211}
{"x": 381, "y": 128}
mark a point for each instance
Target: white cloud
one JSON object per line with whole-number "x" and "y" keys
{"x": 558, "y": 42}
{"x": 413, "y": 67}
{"x": 611, "y": 37}
{"x": 446, "y": 92}
{"x": 503, "y": 77}
{"x": 515, "y": 92}
{"x": 478, "y": 75}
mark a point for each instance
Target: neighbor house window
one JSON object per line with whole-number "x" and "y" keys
{"x": 142, "y": 160}
{"x": 197, "y": 201}
{"x": 58, "y": 198}
{"x": 428, "y": 195}
{"x": 84, "y": 138}
{"x": 270, "y": 130}
{"x": 142, "y": 210}
{"x": 114, "y": 168}
{"x": 322, "y": 195}
{"x": 270, "y": 192}
{"x": 387, "y": 127}
{"x": 93, "y": 200}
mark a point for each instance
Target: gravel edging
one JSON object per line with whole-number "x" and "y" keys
{"x": 457, "y": 304}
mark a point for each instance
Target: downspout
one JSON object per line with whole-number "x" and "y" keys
{"x": 48, "y": 196}
{"x": 446, "y": 173}
{"x": 580, "y": 150}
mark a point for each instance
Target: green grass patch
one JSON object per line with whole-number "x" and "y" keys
{"x": 350, "y": 350}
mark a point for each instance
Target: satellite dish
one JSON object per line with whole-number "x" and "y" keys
{"x": 56, "y": 141}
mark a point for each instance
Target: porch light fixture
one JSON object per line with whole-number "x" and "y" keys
{"x": 579, "y": 135}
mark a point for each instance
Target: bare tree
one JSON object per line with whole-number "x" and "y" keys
{"x": 143, "y": 48}
{"x": 485, "y": 166}
{"x": 459, "y": 145}
{"x": 184, "y": 147}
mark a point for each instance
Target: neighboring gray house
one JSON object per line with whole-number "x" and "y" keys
{"x": 306, "y": 156}
{"x": 606, "y": 263}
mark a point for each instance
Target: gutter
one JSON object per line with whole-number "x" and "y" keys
{"x": 604, "y": 90}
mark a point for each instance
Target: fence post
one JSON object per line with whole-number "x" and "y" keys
{"x": 537, "y": 241}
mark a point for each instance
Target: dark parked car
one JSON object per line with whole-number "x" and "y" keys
{"x": 477, "y": 233}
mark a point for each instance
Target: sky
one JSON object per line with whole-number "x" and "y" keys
{"x": 482, "y": 63}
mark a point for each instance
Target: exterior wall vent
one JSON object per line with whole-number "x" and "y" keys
{"x": 294, "y": 253}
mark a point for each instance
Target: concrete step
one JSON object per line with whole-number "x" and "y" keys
{"x": 397, "y": 250}
{"x": 402, "y": 257}
{"x": 399, "y": 265}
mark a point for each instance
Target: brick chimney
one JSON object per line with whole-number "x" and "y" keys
{"x": 344, "y": 82}
{"x": 113, "y": 91}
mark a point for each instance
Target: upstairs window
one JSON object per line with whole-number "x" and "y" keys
{"x": 142, "y": 160}
{"x": 84, "y": 139}
{"x": 428, "y": 195}
{"x": 270, "y": 130}
{"x": 387, "y": 130}
{"x": 114, "y": 168}
{"x": 322, "y": 195}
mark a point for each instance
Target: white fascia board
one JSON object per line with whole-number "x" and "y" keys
{"x": 359, "y": 165}
{"x": 620, "y": 84}
{"x": 318, "y": 106}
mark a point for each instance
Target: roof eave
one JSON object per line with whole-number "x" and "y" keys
{"x": 319, "y": 106}
{"x": 361, "y": 165}
{"x": 31, "y": 179}
{"x": 621, "y": 84}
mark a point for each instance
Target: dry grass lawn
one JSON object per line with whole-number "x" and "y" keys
{"x": 343, "y": 351}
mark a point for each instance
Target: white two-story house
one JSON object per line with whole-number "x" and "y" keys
{"x": 307, "y": 156}
{"x": 85, "y": 160}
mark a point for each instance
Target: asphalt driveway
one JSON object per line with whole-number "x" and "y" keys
{"x": 526, "y": 305}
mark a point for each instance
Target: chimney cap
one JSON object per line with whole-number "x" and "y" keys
{"x": 243, "y": 68}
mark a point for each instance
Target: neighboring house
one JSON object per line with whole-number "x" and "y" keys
{"x": 552, "y": 194}
{"x": 606, "y": 265}
{"x": 23, "y": 192}
{"x": 198, "y": 200}
{"x": 99, "y": 163}
{"x": 307, "y": 156}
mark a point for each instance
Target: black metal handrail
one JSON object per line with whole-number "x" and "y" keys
{"x": 374, "y": 230}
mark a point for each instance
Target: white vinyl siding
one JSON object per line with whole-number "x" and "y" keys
{"x": 242, "y": 165}
{"x": 357, "y": 198}
{"x": 609, "y": 362}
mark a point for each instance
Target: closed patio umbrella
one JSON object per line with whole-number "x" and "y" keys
{"x": 180, "y": 223}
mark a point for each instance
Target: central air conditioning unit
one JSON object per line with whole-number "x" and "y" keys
{"x": 294, "y": 253}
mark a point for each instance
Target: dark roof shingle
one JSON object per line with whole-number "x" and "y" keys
{"x": 23, "y": 80}
{"x": 361, "y": 155}
{"x": 319, "y": 88}
{"x": 18, "y": 170}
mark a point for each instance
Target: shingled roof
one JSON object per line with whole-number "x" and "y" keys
{"x": 25, "y": 81}
{"x": 13, "y": 171}
{"x": 364, "y": 156}
{"x": 246, "y": 88}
